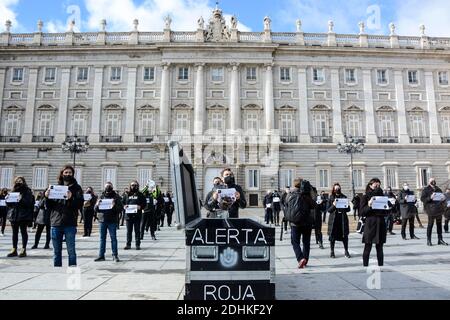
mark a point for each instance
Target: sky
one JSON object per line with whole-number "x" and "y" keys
{"x": 407, "y": 15}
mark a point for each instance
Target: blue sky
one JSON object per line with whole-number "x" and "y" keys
{"x": 407, "y": 14}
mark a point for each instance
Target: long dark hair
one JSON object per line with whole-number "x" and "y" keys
{"x": 334, "y": 185}
{"x": 4, "y": 192}
{"x": 373, "y": 180}
{"x": 60, "y": 176}
{"x": 25, "y": 186}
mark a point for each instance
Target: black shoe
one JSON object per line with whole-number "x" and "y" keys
{"x": 415, "y": 238}
{"x": 442, "y": 242}
{"x": 446, "y": 231}
{"x": 321, "y": 246}
{"x": 153, "y": 238}
{"x": 46, "y": 247}
{"x": 347, "y": 254}
{"x": 404, "y": 238}
{"x": 100, "y": 259}
{"x": 138, "y": 247}
{"x": 127, "y": 247}
{"x": 34, "y": 247}
{"x": 23, "y": 253}
{"x": 429, "y": 243}
{"x": 159, "y": 229}
{"x": 13, "y": 253}
{"x": 391, "y": 233}
{"x": 116, "y": 259}
{"x": 332, "y": 255}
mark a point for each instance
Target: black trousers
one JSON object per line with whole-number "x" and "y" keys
{"x": 431, "y": 224}
{"x": 411, "y": 227}
{"x": 446, "y": 225}
{"x": 88, "y": 217}
{"x": 37, "y": 237}
{"x": 324, "y": 215}
{"x": 153, "y": 223}
{"x": 134, "y": 223}
{"x": 418, "y": 219}
{"x": 318, "y": 228}
{"x": 276, "y": 216}
{"x": 390, "y": 222}
{"x": 3, "y": 221}
{"x": 23, "y": 231}
{"x": 355, "y": 213}
{"x": 169, "y": 218}
{"x": 122, "y": 218}
{"x": 345, "y": 242}
{"x": 144, "y": 224}
{"x": 366, "y": 254}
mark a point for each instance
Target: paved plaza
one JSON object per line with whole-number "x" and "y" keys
{"x": 412, "y": 270}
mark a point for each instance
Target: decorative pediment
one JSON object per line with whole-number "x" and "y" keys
{"x": 385, "y": 109}
{"x": 286, "y": 107}
{"x": 252, "y": 107}
{"x": 113, "y": 107}
{"x": 320, "y": 107}
{"x": 79, "y": 108}
{"x": 217, "y": 30}
{"x": 417, "y": 110}
{"x": 216, "y": 107}
{"x": 146, "y": 107}
{"x": 444, "y": 109}
{"x": 353, "y": 108}
{"x": 14, "y": 108}
{"x": 46, "y": 107}
{"x": 182, "y": 106}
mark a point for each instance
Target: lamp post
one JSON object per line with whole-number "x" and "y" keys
{"x": 74, "y": 145}
{"x": 351, "y": 147}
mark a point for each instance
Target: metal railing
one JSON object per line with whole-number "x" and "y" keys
{"x": 419, "y": 139}
{"x": 387, "y": 139}
{"x": 289, "y": 139}
{"x": 445, "y": 139}
{"x": 77, "y": 138}
{"x": 110, "y": 139}
{"x": 10, "y": 139}
{"x": 321, "y": 139}
{"x": 144, "y": 139}
{"x": 356, "y": 139}
{"x": 42, "y": 139}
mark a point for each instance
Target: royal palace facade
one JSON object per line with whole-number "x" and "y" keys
{"x": 272, "y": 106}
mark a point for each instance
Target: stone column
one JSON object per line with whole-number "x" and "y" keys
{"x": 131, "y": 105}
{"x": 303, "y": 114}
{"x": 165, "y": 101}
{"x": 31, "y": 101}
{"x": 435, "y": 138}
{"x": 269, "y": 109}
{"x": 2, "y": 86}
{"x": 235, "y": 103}
{"x": 338, "y": 136}
{"x": 371, "y": 135}
{"x": 96, "y": 105}
{"x": 199, "y": 107}
{"x": 63, "y": 106}
{"x": 401, "y": 109}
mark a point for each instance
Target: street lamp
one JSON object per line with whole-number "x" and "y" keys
{"x": 74, "y": 145}
{"x": 351, "y": 147}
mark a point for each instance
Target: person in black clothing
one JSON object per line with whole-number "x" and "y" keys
{"x": 320, "y": 208}
{"x": 408, "y": 210}
{"x": 338, "y": 225}
{"x": 42, "y": 221}
{"x": 168, "y": 207}
{"x": 108, "y": 220}
{"x": 88, "y": 211}
{"x": 241, "y": 202}
{"x": 149, "y": 219}
{"x": 39, "y": 197}
{"x": 133, "y": 217}
{"x": 267, "y": 202}
{"x": 283, "y": 205}
{"x": 20, "y": 215}
{"x": 301, "y": 231}
{"x": 3, "y": 210}
{"x": 122, "y": 214}
{"x": 375, "y": 231}
{"x": 390, "y": 217}
{"x": 158, "y": 201}
{"x": 356, "y": 201}
{"x": 214, "y": 210}
{"x": 276, "y": 207}
{"x": 447, "y": 209}
{"x": 64, "y": 215}
{"x": 435, "y": 209}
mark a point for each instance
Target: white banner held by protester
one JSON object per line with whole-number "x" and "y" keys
{"x": 58, "y": 192}
{"x": 13, "y": 197}
{"x": 392, "y": 201}
{"x": 3, "y": 203}
{"x": 105, "y": 204}
{"x": 87, "y": 196}
{"x": 439, "y": 196}
{"x": 227, "y": 193}
{"x": 380, "y": 203}
{"x": 341, "y": 203}
{"x": 132, "y": 208}
{"x": 276, "y": 199}
{"x": 411, "y": 198}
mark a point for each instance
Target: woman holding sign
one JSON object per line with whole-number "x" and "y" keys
{"x": 375, "y": 207}
{"x": 90, "y": 199}
{"x": 3, "y": 210}
{"x": 338, "y": 228}
{"x": 434, "y": 203}
{"x": 20, "y": 203}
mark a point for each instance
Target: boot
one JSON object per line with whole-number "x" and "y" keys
{"x": 429, "y": 242}
{"x": 332, "y": 250}
{"x": 13, "y": 253}
{"x": 23, "y": 253}
{"x": 347, "y": 254}
{"x": 321, "y": 245}
{"x": 442, "y": 242}
{"x": 127, "y": 247}
{"x": 116, "y": 258}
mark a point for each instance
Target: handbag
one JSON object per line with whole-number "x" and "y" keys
{"x": 360, "y": 225}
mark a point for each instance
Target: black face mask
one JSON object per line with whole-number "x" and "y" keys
{"x": 67, "y": 178}
{"x": 18, "y": 186}
{"x": 433, "y": 183}
{"x": 338, "y": 190}
{"x": 108, "y": 189}
{"x": 229, "y": 180}
{"x": 134, "y": 189}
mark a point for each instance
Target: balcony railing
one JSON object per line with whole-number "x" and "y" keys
{"x": 10, "y": 139}
{"x": 42, "y": 139}
{"x": 111, "y": 139}
{"x": 387, "y": 139}
{"x": 419, "y": 139}
{"x": 356, "y": 139}
{"x": 445, "y": 139}
{"x": 289, "y": 139}
{"x": 322, "y": 139}
{"x": 143, "y": 139}
{"x": 77, "y": 138}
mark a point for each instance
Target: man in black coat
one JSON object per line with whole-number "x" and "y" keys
{"x": 390, "y": 217}
{"x": 229, "y": 181}
{"x": 447, "y": 210}
{"x": 434, "y": 208}
{"x": 149, "y": 218}
{"x": 268, "y": 206}
{"x": 408, "y": 210}
{"x": 134, "y": 198}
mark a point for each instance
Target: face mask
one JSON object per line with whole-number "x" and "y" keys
{"x": 338, "y": 190}
{"x": 67, "y": 178}
{"x": 406, "y": 188}
{"x": 217, "y": 184}
{"x": 18, "y": 185}
{"x": 229, "y": 180}
{"x": 433, "y": 183}
{"x": 134, "y": 189}
{"x": 108, "y": 189}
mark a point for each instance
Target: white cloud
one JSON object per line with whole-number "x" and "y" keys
{"x": 7, "y": 13}
{"x": 435, "y": 14}
{"x": 121, "y": 13}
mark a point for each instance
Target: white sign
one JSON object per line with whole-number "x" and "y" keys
{"x": 105, "y": 204}
{"x": 380, "y": 203}
{"x": 148, "y": 200}
{"x": 269, "y": 205}
{"x": 448, "y": 203}
{"x": 13, "y": 197}
{"x": 58, "y": 192}
{"x": 131, "y": 208}
{"x": 166, "y": 199}
{"x": 411, "y": 198}
{"x": 2, "y": 203}
{"x": 227, "y": 193}
{"x": 342, "y": 203}
{"x": 87, "y": 196}
{"x": 438, "y": 196}
{"x": 392, "y": 201}
{"x": 276, "y": 199}
{"x": 155, "y": 202}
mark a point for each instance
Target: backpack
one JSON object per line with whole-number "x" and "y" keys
{"x": 297, "y": 211}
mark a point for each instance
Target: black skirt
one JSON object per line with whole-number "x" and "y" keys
{"x": 375, "y": 231}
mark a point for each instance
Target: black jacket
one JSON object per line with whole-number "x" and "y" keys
{"x": 43, "y": 216}
{"x": 134, "y": 198}
{"x": 64, "y": 213}
{"x": 168, "y": 206}
{"x": 338, "y": 225}
{"x": 23, "y": 210}
{"x": 3, "y": 209}
{"x": 375, "y": 230}
{"x": 432, "y": 208}
{"x": 276, "y": 206}
{"x": 150, "y": 207}
{"x": 308, "y": 205}
{"x": 407, "y": 209}
{"x": 88, "y": 206}
{"x": 233, "y": 212}
{"x": 268, "y": 200}
{"x": 112, "y": 215}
